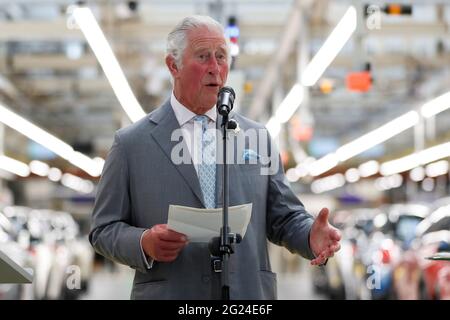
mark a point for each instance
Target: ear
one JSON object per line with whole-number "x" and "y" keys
{"x": 171, "y": 65}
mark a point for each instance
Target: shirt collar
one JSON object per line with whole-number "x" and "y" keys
{"x": 184, "y": 115}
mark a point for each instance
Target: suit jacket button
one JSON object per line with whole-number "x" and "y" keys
{"x": 206, "y": 279}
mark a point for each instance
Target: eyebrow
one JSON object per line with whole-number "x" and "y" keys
{"x": 199, "y": 49}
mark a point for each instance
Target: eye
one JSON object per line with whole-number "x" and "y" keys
{"x": 203, "y": 57}
{"x": 221, "y": 57}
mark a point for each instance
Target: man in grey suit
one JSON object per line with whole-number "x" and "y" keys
{"x": 141, "y": 179}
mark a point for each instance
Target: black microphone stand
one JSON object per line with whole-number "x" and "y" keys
{"x": 223, "y": 246}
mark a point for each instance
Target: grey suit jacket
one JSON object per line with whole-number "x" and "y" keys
{"x": 140, "y": 181}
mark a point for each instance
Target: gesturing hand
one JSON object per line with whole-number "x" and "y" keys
{"x": 163, "y": 244}
{"x": 323, "y": 238}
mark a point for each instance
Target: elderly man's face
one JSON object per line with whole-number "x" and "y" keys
{"x": 203, "y": 72}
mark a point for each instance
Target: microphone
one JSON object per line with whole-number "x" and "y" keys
{"x": 225, "y": 100}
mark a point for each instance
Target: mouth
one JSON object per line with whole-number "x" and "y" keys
{"x": 212, "y": 85}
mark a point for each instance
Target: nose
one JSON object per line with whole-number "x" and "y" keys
{"x": 213, "y": 66}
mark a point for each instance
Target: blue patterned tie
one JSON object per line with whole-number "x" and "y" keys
{"x": 206, "y": 167}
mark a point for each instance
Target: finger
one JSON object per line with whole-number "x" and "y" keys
{"x": 164, "y": 233}
{"x": 176, "y": 234}
{"x": 173, "y": 236}
{"x": 319, "y": 260}
{"x": 171, "y": 245}
{"x": 335, "y": 234}
{"x": 323, "y": 215}
{"x": 335, "y": 247}
{"x": 329, "y": 253}
{"x": 169, "y": 253}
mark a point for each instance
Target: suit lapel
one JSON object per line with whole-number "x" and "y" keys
{"x": 166, "y": 124}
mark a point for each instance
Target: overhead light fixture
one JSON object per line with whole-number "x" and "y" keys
{"x": 389, "y": 182}
{"x": 76, "y": 183}
{"x": 105, "y": 56}
{"x": 436, "y": 105}
{"x": 49, "y": 141}
{"x": 399, "y": 165}
{"x": 436, "y": 169}
{"x": 14, "y": 166}
{"x": 40, "y": 168}
{"x": 291, "y": 175}
{"x": 416, "y": 159}
{"x": 286, "y": 109}
{"x": 352, "y": 175}
{"x": 330, "y": 49}
{"x": 274, "y": 127}
{"x": 54, "y": 174}
{"x": 328, "y": 183}
{"x": 378, "y": 136}
{"x": 290, "y": 104}
{"x": 417, "y": 174}
{"x": 364, "y": 143}
{"x": 368, "y": 168}
{"x": 303, "y": 167}
{"x": 323, "y": 164}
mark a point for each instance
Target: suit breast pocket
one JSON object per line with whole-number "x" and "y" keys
{"x": 250, "y": 168}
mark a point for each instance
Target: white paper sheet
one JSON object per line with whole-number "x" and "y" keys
{"x": 200, "y": 225}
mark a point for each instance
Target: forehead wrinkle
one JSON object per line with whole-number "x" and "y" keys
{"x": 206, "y": 43}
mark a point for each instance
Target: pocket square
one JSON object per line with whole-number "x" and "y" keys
{"x": 250, "y": 154}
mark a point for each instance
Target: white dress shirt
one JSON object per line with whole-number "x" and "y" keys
{"x": 185, "y": 118}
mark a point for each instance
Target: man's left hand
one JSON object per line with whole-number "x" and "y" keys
{"x": 323, "y": 238}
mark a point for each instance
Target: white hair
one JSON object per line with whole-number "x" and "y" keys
{"x": 177, "y": 38}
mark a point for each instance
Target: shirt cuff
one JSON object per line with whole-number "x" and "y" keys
{"x": 148, "y": 261}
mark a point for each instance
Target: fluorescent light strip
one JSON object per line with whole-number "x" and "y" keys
{"x": 274, "y": 127}
{"x": 378, "y": 136}
{"x": 54, "y": 174}
{"x": 76, "y": 183}
{"x": 368, "y": 168}
{"x": 40, "y": 168}
{"x": 14, "y": 166}
{"x": 68, "y": 180}
{"x": 314, "y": 70}
{"x": 352, "y": 175}
{"x": 323, "y": 164}
{"x": 290, "y": 104}
{"x": 400, "y": 165}
{"x": 436, "y": 169}
{"x": 331, "y": 47}
{"x": 365, "y": 142}
{"x": 328, "y": 183}
{"x": 389, "y": 182}
{"x": 417, "y": 174}
{"x": 436, "y": 105}
{"x": 49, "y": 141}
{"x": 416, "y": 159}
{"x": 96, "y": 39}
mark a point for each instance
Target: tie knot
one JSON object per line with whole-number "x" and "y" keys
{"x": 202, "y": 119}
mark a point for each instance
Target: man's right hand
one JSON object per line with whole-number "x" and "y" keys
{"x": 163, "y": 244}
